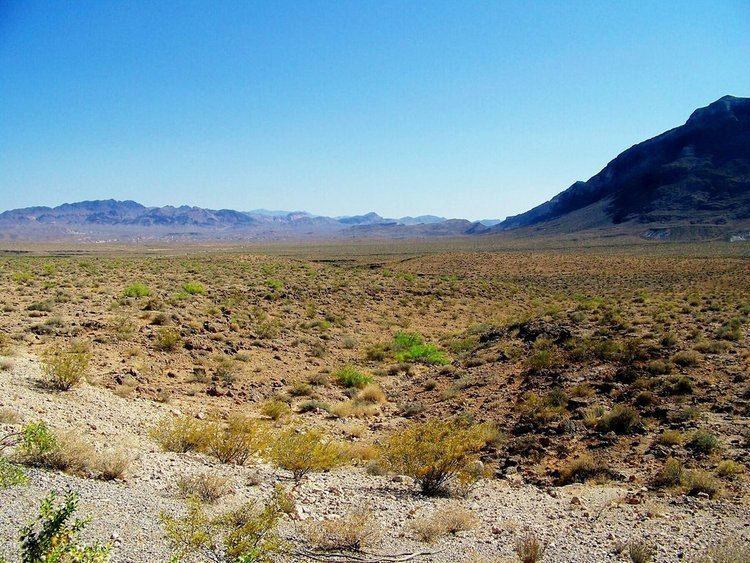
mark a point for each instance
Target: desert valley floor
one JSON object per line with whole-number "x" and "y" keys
{"x": 594, "y": 404}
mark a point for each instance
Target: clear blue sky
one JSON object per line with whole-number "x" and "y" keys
{"x": 465, "y": 109}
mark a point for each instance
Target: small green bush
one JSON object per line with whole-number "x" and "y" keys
{"x": 53, "y": 537}
{"x": 11, "y": 474}
{"x": 136, "y": 290}
{"x": 622, "y": 419}
{"x": 194, "y": 288}
{"x": 703, "y": 442}
{"x": 349, "y": 376}
{"x": 167, "y": 339}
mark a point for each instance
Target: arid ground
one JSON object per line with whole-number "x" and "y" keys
{"x": 584, "y": 404}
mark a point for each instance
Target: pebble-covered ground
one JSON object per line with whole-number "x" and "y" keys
{"x": 581, "y": 523}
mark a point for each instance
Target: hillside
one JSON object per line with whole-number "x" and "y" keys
{"x": 696, "y": 175}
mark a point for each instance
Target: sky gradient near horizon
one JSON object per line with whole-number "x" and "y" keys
{"x": 463, "y": 109}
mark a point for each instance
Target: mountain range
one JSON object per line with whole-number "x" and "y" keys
{"x": 692, "y": 181}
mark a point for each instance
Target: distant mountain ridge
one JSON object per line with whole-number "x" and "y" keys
{"x": 692, "y": 181}
{"x": 697, "y": 174}
{"x": 129, "y": 220}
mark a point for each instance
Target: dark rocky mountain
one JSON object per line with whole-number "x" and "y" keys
{"x": 697, "y": 174}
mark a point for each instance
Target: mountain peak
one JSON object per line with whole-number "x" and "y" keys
{"x": 695, "y": 174}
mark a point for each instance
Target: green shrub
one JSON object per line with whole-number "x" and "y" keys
{"x": 349, "y": 376}
{"x": 37, "y": 441}
{"x": 698, "y": 481}
{"x": 729, "y": 469}
{"x": 244, "y": 535}
{"x": 703, "y": 442}
{"x": 194, "y": 288}
{"x": 410, "y": 347}
{"x": 11, "y": 474}
{"x": 182, "y": 434}
{"x": 275, "y": 409}
{"x": 53, "y": 537}
{"x": 671, "y": 474}
{"x": 622, "y": 419}
{"x": 167, "y": 339}
{"x": 582, "y": 469}
{"x": 302, "y": 452}
{"x": 686, "y": 358}
{"x": 437, "y": 453}
{"x": 136, "y": 290}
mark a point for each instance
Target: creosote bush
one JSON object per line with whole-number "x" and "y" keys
{"x": 303, "y": 452}
{"x": 54, "y": 538}
{"x": 437, "y": 453}
{"x": 182, "y": 434}
{"x": 244, "y": 535}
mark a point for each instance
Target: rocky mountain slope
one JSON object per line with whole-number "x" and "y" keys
{"x": 697, "y": 174}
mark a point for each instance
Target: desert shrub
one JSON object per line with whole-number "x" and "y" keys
{"x": 582, "y": 469}
{"x": 37, "y": 441}
{"x": 376, "y": 353}
{"x": 204, "y": 486}
{"x": 446, "y": 520}
{"x": 275, "y": 409}
{"x": 703, "y": 442}
{"x": 529, "y": 548}
{"x": 11, "y": 475}
{"x": 731, "y": 330}
{"x": 237, "y": 440}
{"x": 349, "y": 376}
{"x": 302, "y": 452}
{"x": 54, "y": 538}
{"x": 729, "y": 469}
{"x": 352, "y": 532}
{"x": 65, "y": 367}
{"x": 371, "y": 393}
{"x": 681, "y": 385}
{"x": 641, "y": 551}
{"x": 167, "y": 339}
{"x": 671, "y": 438}
{"x": 436, "y": 453}
{"x": 136, "y": 290}
{"x": 671, "y": 474}
{"x": 686, "y": 358}
{"x": 535, "y": 408}
{"x": 354, "y": 409}
{"x": 244, "y": 535}
{"x": 410, "y": 347}
{"x": 44, "y": 306}
{"x": 313, "y": 405}
{"x": 698, "y": 481}
{"x": 111, "y": 464}
{"x": 622, "y": 419}
{"x": 659, "y": 367}
{"x": 193, "y": 288}
{"x": 181, "y": 434}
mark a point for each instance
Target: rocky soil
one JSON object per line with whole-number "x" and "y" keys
{"x": 582, "y": 523}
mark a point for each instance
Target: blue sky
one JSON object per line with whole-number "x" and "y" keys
{"x": 465, "y": 109}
